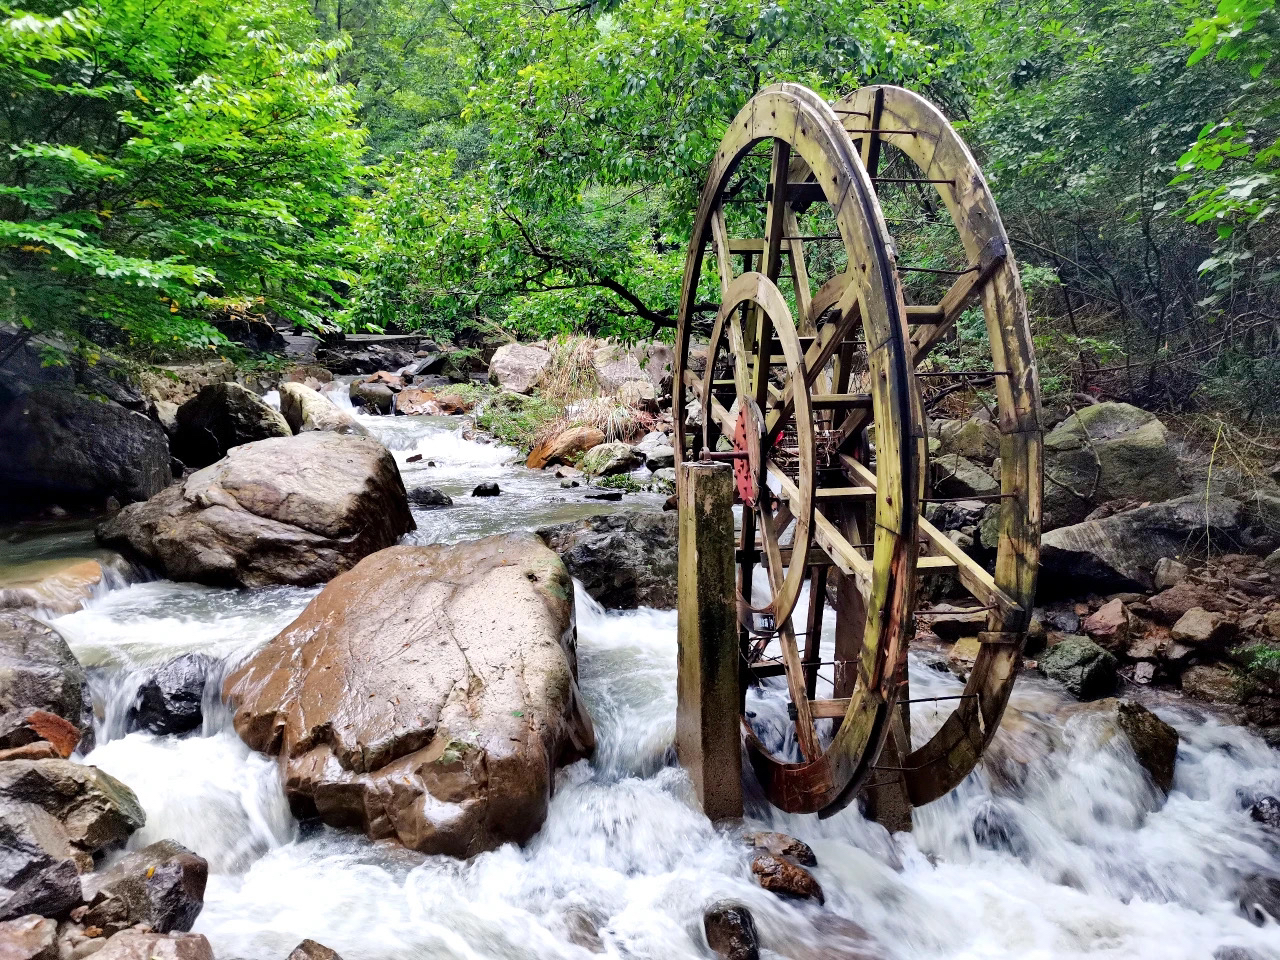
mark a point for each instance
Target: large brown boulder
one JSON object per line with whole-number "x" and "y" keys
{"x": 65, "y": 448}
{"x": 426, "y": 695}
{"x": 296, "y": 510}
{"x": 306, "y": 410}
{"x": 567, "y": 446}
{"x": 222, "y": 416}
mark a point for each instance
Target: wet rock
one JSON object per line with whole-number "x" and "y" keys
{"x": 306, "y": 410}
{"x": 39, "y": 675}
{"x": 426, "y": 695}
{"x": 624, "y": 560}
{"x": 786, "y": 879}
{"x": 136, "y": 945}
{"x": 29, "y": 938}
{"x": 296, "y": 510}
{"x": 58, "y": 586}
{"x": 1105, "y": 452}
{"x": 782, "y": 845}
{"x": 657, "y": 451}
{"x": 567, "y": 446}
{"x": 1121, "y": 552}
{"x": 1080, "y": 665}
{"x": 95, "y": 809}
{"x": 60, "y": 447}
{"x": 956, "y": 514}
{"x": 429, "y": 498}
{"x": 487, "y": 489}
{"x": 1109, "y": 626}
{"x": 220, "y": 417}
{"x": 955, "y": 476}
{"x": 372, "y": 395}
{"x": 169, "y": 699}
{"x": 1203, "y": 628}
{"x": 996, "y": 828}
{"x": 34, "y": 882}
{"x": 582, "y": 928}
{"x": 1266, "y": 810}
{"x": 609, "y": 458}
{"x": 731, "y": 931}
{"x": 1258, "y": 897}
{"x": 1154, "y": 742}
{"x": 1169, "y": 573}
{"x": 161, "y": 885}
{"x": 518, "y": 367}
{"x": 310, "y": 950}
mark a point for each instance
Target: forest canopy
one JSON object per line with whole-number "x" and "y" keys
{"x": 480, "y": 169}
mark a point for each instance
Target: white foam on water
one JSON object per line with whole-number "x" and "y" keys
{"x": 1071, "y": 857}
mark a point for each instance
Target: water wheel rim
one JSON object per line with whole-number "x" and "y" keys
{"x": 915, "y": 127}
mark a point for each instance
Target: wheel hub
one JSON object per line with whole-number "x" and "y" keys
{"x": 746, "y": 443}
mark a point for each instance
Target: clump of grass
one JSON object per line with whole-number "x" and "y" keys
{"x": 514, "y": 419}
{"x": 571, "y": 374}
{"x": 614, "y": 418}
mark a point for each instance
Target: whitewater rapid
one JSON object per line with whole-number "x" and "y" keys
{"x": 1079, "y": 861}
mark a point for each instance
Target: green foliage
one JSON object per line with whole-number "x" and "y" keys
{"x": 166, "y": 157}
{"x": 515, "y": 419}
{"x": 599, "y": 125}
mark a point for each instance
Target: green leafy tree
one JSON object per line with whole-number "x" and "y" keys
{"x": 600, "y": 121}
{"x": 165, "y": 158}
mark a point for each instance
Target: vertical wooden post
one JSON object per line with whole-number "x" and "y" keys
{"x": 708, "y": 715}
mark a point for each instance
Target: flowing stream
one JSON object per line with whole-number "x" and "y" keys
{"x": 1061, "y": 849}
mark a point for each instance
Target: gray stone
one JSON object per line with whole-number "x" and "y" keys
{"x": 1080, "y": 665}
{"x": 1169, "y": 573}
{"x": 374, "y": 395}
{"x": 624, "y": 560}
{"x": 518, "y": 367}
{"x": 296, "y": 510}
{"x": 136, "y": 945}
{"x": 1121, "y": 551}
{"x": 975, "y": 439}
{"x": 60, "y": 447}
{"x": 161, "y": 885}
{"x": 955, "y": 476}
{"x": 222, "y": 416}
{"x": 95, "y": 809}
{"x": 305, "y": 409}
{"x": 609, "y": 458}
{"x": 38, "y": 672}
{"x": 1105, "y": 452}
{"x": 170, "y": 699}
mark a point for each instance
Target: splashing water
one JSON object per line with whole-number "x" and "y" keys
{"x": 1057, "y": 847}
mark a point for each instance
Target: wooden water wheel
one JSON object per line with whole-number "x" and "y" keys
{"x": 812, "y": 381}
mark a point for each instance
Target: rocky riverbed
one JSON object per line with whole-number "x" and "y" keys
{"x": 252, "y": 722}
